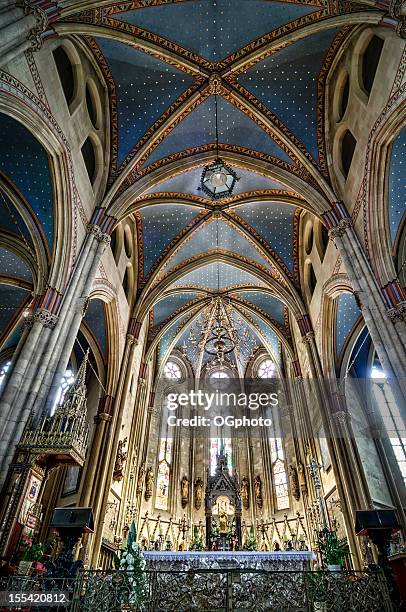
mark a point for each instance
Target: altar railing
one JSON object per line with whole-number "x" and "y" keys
{"x": 220, "y": 590}
{"x": 234, "y": 590}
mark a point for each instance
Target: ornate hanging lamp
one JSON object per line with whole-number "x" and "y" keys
{"x": 218, "y": 179}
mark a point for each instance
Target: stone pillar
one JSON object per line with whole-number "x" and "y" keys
{"x": 338, "y": 441}
{"x": 21, "y": 26}
{"x": 385, "y": 336}
{"x": 102, "y": 483}
{"x": 54, "y": 328}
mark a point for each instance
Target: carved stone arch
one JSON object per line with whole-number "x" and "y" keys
{"x": 38, "y": 260}
{"x": 119, "y": 205}
{"x": 391, "y": 121}
{"x": 32, "y": 113}
{"x": 331, "y": 290}
{"x": 19, "y": 248}
{"x": 149, "y": 296}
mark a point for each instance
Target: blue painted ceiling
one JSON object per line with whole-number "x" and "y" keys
{"x": 269, "y": 304}
{"x": 397, "y": 183}
{"x": 10, "y": 219}
{"x": 347, "y": 315}
{"x": 189, "y": 182}
{"x": 215, "y": 28}
{"x": 11, "y": 299}
{"x": 161, "y": 223}
{"x": 270, "y": 336}
{"x": 274, "y": 222}
{"x": 96, "y": 320}
{"x": 205, "y": 239}
{"x": 166, "y": 307}
{"x": 234, "y": 128}
{"x": 145, "y": 88}
{"x": 207, "y": 277}
{"x": 287, "y": 83}
{"x": 13, "y": 265}
{"x": 25, "y": 162}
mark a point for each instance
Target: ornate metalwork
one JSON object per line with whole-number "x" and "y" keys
{"x": 234, "y": 589}
{"x": 65, "y": 433}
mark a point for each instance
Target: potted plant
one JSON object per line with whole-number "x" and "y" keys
{"x": 31, "y": 552}
{"x": 333, "y": 551}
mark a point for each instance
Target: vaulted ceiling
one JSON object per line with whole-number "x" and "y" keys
{"x": 163, "y": 63}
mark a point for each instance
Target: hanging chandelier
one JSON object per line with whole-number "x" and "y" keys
{"x": 220, "y": 341}
{"x": 218, "y": 179}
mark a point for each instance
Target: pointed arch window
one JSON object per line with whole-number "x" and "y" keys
{"x": 3, "y": 371}
{"x": 216, "y": 444}
{"x": 391, "y": 416}
{"x": 279, "y": 476}
{"x": 164, "y": 473}
{"x": 66, "y": 382}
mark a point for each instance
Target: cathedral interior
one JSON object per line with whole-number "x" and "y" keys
{"x": 194, "y": 195}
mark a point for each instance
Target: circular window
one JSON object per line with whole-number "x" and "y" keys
{"x": 172, "y": 371}
{"x": 267, "y": 369}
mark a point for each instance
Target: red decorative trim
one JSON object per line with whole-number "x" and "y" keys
{"x": 337, "y": 213}
{"x": 143, "y": 370}
{"x": 134, "y": 328}
{"x": 305, "y": 325}
{"x": 106, "y": 405}
{"x": 51, "y": 300}
{"x": 106, "y": 222}
{"x": 393, "y": 293}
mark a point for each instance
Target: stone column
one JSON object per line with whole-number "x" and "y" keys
{"x": 51, "y": 338}
{"x": 384, "y": 334}
{"x": 21, "y": 26}
{"x": 102, "y": 483}
{"x": 337, "y": 446}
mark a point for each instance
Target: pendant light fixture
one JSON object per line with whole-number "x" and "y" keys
{"x": 218, "y": 179}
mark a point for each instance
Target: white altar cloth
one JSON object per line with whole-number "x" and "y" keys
{"x": 271, "y": 561}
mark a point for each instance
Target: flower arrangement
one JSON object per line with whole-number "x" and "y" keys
{"x": 133, "y": 563}
{"x": 197, "y": 543}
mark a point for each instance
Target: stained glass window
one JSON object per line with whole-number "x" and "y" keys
{"x": 215, "y": 447}
{"x": 163, "y": 475}
{"x": 279, "y": 473}
{"x": 391, "y": 416}
{"x": 3, "y": 371}
{"x": 266, "y": 369}
{"x": 66, "y": 382}
{"x": 172, "y": 371}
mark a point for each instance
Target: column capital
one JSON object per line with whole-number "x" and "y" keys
{"x": 342, "y": 417}
{"x": 43, "y": 316}
{"x": 339, "y": 230}
{"x": 97, "y": 232}
{"x": 41, "y": 22}
{"x": 398, "y": 312}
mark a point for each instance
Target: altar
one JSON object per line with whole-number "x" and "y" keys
{"x": 289, "y": 561}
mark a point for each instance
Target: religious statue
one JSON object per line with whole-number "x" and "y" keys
{"x": 294, "y": 482}
{"x": 149, "y": 484}
{"x": 121, "y": 458}
{"x": 302, "y": 478}
{"x": 184, "y": 491}
{"x": 140, "y": 479}
{"x": 198, "y": 493}
{"x": 223, "y": 520}
{"x": 258, "y": 491}
{"x": 245, "y": 492}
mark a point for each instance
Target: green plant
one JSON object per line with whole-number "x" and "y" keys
{"x": 332, "y": 550}
{"x": 133, "y": 563}
{"x": 31, "y": 550}
{"x": 251, "y": 542}
{"x": 197, "y": 543}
